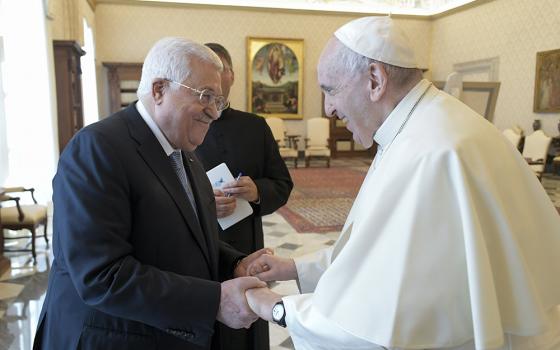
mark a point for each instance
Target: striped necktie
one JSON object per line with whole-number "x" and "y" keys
{"x": 179, "y": 167}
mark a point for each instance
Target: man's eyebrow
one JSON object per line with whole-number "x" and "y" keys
{"x": 207, "y": 88}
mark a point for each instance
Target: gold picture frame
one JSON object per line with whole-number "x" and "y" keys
{"x": 275, "y": 77}
{"x": 547, "y": 82}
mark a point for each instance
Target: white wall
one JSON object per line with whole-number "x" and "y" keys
{"x": 28, "y": 124}
{"x": 125, "y": 33}
{"x": 512, "y": 30}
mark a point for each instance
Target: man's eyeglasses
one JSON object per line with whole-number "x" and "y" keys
{"x": 207, "y": 97}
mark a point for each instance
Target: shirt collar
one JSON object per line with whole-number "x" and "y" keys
{"x": 155, "y": 129}
{"x": 397, "y": 117}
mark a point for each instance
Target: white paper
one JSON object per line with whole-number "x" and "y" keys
{"x": 219, "y": 176}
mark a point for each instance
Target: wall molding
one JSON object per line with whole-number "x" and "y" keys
{"x": 489, "y": 66}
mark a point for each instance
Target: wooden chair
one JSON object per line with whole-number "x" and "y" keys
{"x": 278, "y": 129}
{"x": 513, "y": 136}
{"x": 23, "y": 217}
{"x": 535, "y": 151}
{"x": 317, "y": 140}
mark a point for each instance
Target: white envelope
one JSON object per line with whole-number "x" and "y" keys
{"x": 219, "y": 176}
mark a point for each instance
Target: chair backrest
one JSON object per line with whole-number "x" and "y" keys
{"x": 512, "y": 137}
{"x": 278, "y": 129}
{"x": 536, "y": 146}
{"x": 318, "y": 132}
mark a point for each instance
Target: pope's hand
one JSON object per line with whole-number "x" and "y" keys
{"x": 261, "y": 301}
{"x": 241, "y": 268}
{"x": 234, "y": 311}
{"x": 224, "y": 205}
{"x": 272, "y": 268}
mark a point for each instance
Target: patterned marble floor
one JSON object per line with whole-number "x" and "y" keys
{"x": 22, "y": 292}
{"x": 278, "y": 234}
{"x": 22, "y": 288}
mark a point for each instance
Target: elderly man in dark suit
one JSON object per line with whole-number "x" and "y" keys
{"x": 137, "y": 256}
{"x": 245, "y": 143}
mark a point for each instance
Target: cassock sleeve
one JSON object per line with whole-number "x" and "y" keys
{"x": 310, "y": 330}
{"x": 310, "y": 268}
{"x": 276, "y": 184}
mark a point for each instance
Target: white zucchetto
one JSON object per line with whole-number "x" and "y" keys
{"x": 378, "y": 38}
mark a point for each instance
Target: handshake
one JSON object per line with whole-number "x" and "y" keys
{"x": 246, "y": 297}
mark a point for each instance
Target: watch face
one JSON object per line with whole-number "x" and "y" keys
{"x": 278, "y": 312}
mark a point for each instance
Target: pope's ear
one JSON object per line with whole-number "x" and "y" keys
{"x": 158, "y": 90}
{"x": 377, "y": 81}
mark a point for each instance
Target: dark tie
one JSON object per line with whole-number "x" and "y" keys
{"x": 178, "y": 166}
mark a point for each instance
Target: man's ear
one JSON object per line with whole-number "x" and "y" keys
{"x": 377, "y": 81}
{"x": 158, "y": 90}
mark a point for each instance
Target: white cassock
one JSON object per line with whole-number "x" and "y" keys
{"x": 451, "y": 243}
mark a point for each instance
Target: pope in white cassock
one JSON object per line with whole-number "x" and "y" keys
{"x": 451, "y": 243}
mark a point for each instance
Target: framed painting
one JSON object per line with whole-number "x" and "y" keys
{"x": 275, "y": 77}
{"x": 547, "y": 82}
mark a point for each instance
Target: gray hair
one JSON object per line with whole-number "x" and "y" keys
{"x": 170, "y": 58}
{"x": 347, "y": 61}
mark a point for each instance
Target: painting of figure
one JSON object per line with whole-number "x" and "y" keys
{"x": 275, "y": 77}
{"x": 547, "y": 82}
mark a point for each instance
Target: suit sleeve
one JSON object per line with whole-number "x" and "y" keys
{"x": 228, "y": 258}
{"x": 276, "y": 184}
{"x": 94, "y": 225}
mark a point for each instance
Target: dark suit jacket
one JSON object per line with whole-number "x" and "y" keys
{"x": 245, "y": 143}
{"x": 133, "y": 267}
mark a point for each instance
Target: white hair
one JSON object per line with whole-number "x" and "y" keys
{"x": 346, "y": 61}
{"x": 170, "y": 58}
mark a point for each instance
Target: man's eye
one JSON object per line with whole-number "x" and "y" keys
{"x": 208, "y": 97}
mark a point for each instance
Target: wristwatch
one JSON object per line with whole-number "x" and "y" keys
{"x": 279, "y": 314}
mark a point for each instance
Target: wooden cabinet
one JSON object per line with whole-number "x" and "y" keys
{"x": 69, "y": 99}
{"x": 123, "y": 79}
{"x": 342, "y": 144}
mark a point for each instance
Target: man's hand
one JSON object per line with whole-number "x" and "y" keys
{"x": 243, "y": 188}
{"x": 272, "y": 268}
{"x": 261, "y": 301}
{"x": 224, "y": 205}
{"x": 241, "y": 268}
{"x": 234, "y": 311}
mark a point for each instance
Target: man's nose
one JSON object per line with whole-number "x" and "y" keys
{"x": 212, "y": 111}
{"x": 329, "y": 109}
